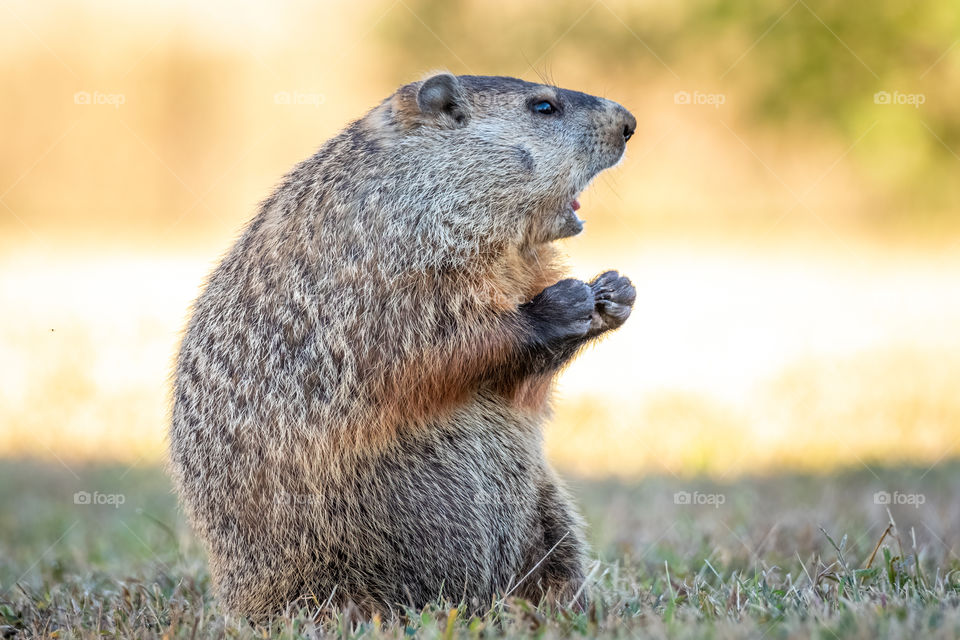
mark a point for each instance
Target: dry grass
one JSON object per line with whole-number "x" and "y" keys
{"x": 778, "y": 557}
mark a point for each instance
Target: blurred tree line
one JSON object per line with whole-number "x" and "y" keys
{"x": 806, "y": 65}
{"x": 200, "y": 136}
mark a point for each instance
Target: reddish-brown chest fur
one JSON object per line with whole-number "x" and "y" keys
{"x": 518, "y": 277}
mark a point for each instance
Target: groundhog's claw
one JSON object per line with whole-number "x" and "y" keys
{"x": 614, "y": 296}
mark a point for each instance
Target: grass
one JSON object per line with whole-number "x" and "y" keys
{"x": 774, "y": 557}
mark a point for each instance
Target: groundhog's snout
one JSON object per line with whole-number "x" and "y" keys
{"x": 614, "y": 127}
{"x": 629, "y": 123}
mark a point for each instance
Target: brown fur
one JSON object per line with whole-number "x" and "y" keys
{"x": 360, "y": 392}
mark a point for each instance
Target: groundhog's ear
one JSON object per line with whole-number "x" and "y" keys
{"x": 443, "y": 96}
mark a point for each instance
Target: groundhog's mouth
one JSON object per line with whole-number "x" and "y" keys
{"x": 569, "y": 223}
{"x": 574, "y": 207}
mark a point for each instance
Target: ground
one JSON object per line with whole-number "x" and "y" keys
{"x": 103, "y": 551}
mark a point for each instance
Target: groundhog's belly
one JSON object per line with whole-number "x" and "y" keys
{"x": 450, "y": 510}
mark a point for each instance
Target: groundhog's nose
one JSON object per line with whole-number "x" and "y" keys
{"x": 627, "y": 122}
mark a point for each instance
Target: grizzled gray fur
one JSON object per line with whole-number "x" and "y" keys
{"x": 360, "y": 392}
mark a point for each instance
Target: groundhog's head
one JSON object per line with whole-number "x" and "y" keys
{"x": 487, "y": 162}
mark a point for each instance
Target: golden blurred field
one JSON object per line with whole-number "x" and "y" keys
{"x": 788, "y": 210}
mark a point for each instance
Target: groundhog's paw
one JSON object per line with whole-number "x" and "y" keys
{"x": 614, "y": 295}
{"x": 564, "y": 310}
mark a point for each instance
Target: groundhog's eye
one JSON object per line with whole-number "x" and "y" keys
{"x": 544, "y": 107}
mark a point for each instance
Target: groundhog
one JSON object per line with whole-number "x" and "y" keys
{"x": 361, "y": 389}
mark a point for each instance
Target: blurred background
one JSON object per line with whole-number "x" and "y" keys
{"x": 788, "y": 210}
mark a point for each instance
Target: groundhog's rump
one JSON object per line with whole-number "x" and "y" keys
{"x": 359, "y": 395}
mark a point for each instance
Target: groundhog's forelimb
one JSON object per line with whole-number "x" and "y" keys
{"x": 614, "y": 295}
{"x": 564, "y": 317}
